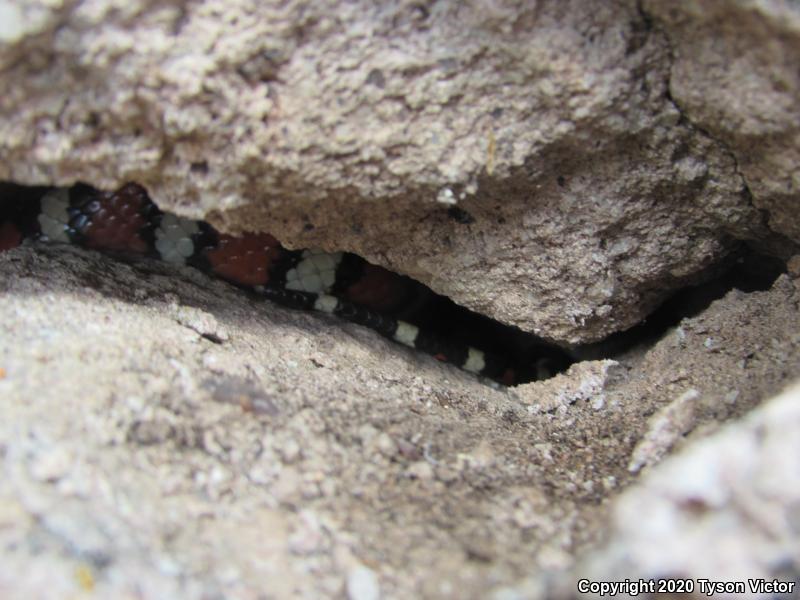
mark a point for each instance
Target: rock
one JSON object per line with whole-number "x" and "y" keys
{"x": 562, "y": 167}
{"x": 534, "y": 168}
{"x": 734, "y": 75}
{"x": 420, "y": 470}
{"x": 124, "y": 444}
{"x": 665, "y": 428}
{"x": 362, "y": 584}
{"x": 736, "y": 490}
{"x": 585, "y": 380}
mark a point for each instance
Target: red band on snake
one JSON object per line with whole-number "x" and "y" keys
{"x": 127, "y": 222}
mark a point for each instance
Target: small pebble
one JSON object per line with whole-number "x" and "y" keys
{"x": 289, "y": 451}
{"x": 420, "y": 470}
{"x": 386, "y": 445}
{"x": 51, "y": 465}
{"x": 362, "y": 584}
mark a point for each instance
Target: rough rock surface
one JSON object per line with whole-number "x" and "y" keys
{"x": 164, "y": 435}
{"x": 734, "y": 75}
{"x": 526, "y": 160}
{"x": 561, "y": 166}
{"x": 739, "y": 489}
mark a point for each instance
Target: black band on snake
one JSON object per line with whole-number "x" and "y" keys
{"x": 127, "y": 222}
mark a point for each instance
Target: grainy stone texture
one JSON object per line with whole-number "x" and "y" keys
{"x": 737, "y": 492}
{"x": 583, "y": 195}
{"x": 164, "y": 435}
{"x": 735, "y": 75}
{"x": 561, "y": 166}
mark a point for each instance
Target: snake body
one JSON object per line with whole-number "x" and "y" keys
{"x": 128, "y": 222}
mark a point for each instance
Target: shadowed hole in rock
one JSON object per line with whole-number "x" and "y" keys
{"x": 745, "y": 270}
{"x": 531, "y": 357}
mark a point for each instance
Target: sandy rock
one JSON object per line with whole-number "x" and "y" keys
{"x": 560, "y": 166}
{"x": 664, "y": 428}
{"x": 533, "y": 167}
{"x": 585, "y": 380}
{"x": 362, "y": 584}
{"x": 142, "y": 456}
{"x": 736, "y": 491}
{"x": 735, "y": 76}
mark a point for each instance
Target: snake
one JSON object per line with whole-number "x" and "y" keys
{"x": 126, "y": 222}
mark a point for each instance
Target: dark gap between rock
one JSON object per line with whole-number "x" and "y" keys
{"x": 746, "y": 270}
{"x": 536, "y": 359}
